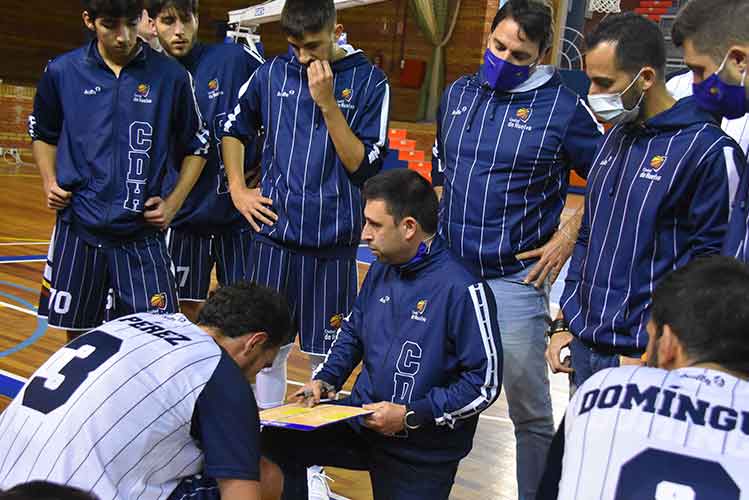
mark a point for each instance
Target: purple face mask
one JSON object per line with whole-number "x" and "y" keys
{"x": 721, "y": 98}
{"x": 502, "y": 75}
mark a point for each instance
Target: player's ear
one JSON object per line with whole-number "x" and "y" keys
{"x": 254, "y": 341}
{"x": 88, "y": 21}
{"x": 670, "y": 351}
{"x": 410, "y": 227}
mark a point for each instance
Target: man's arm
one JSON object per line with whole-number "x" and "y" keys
{"x": 193, "y": 141}
{"x": 160, "y": 212}
{"x": 714, "y": 192}
{"x": 45, "y": 156}
{"x": 45, "y": 126}
{"x": 360, "y": 152}
{"x": 241, "y": 125}
{"x": 238, "y": 489}
{"x": 347, "y": 349}
{"x": 580, "y": 144}
{"x": 475, "y": 335}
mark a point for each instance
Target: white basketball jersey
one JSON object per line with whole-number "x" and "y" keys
{"x": 645, "y": 433}
{"x": 111, "y": 412}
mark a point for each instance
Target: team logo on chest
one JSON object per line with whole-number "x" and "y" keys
{"x": 158, "y": 301}
{"x": 213, "y": 89}
{"x": 418, "y": 313}
{"x": 524, "y": 114}
{"x": 520, "y": 120}
{"x": 344, "y": 102}
{"x": 141, "y": 93}
{"x": 335, "y": 321}
{"x": 650, "y": 172}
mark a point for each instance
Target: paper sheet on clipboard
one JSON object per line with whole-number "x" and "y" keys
{"x": 299, "y": 417}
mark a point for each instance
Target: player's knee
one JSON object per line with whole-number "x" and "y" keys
{"x": 271, "y": 480}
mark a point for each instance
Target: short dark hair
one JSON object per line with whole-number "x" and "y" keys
{"x": 705, "y": 304}
{"x": 639, "y": 42}
{"x": 307, "y": 16}
{"x": 406, "y": 194}
{"x": 184, "y": 7}
{"x": 712, "y": 25}
{"x": 42, "y": 490}
{"x": 129, "y": 9}
{"x": 246, "y": 307}
{"x": 533, "y": 16}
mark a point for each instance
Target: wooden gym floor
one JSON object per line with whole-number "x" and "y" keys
{"x": 25, "y": 343}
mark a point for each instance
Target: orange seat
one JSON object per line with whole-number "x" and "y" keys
{"x": 410, "y": 155}
{"x": 397, "y": 134}
{"x": 403, "y": 145}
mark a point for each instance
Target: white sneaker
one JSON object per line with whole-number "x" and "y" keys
{"x": 317, "y": 483}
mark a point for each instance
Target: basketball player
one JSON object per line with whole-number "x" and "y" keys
{"x": 425, "y": 332}
{"x": 208, "y": 230}
{"x": 715, "y": 40}
{"x": 152, "y": 406}
{"x": 103, "y": 169}
{"x": 679, "y": 431}
{"x": 507, "y": 138}
{"x": 658, "y": 196}
{"x": 324, "y": 109}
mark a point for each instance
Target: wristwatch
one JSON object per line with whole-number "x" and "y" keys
{"x": 410, "y": 420}
{"x": 558, "y": 325}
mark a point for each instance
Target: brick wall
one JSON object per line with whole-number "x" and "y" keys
{"x": 16, "y": 103}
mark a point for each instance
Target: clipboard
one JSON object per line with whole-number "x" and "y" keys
{"x": 298, "y": 417}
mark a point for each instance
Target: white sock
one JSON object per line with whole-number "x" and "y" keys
{"x": 270, "y": 383}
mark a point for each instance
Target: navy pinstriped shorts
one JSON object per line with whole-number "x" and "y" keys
{"x": 85, "y": 285}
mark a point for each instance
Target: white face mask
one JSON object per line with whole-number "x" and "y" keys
{"x": 610, "y": 107}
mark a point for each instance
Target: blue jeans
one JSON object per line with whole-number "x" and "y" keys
{"x": 586, "y": 361}
{"x": 523, "y": 320}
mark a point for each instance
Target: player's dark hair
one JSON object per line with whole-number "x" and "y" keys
{"x": 712, "y": 26}
{"x": 406, "y": 194}
{"x": 129, "y": 9}
{"x": 183, "y": 7}
{"x": 705, "y": 304}
{"x": 639, "y": 42}
{"x": 307, "y": 16}
{"x": 246, "y": 307}
{"x": 533, "y": 16}
{"x": 42, "y": 490}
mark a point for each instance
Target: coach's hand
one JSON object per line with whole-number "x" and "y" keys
{"x": 320, "y": 78}
{"x": 311, "y": 393}
{"x": 254, "y": 206}
{"x": 558, "y": 342}
{"x": 387, "y": 419}
{"x": 57, "y": 197}
{"x": 551, "y": 258}
{"x": 159, "y": 212}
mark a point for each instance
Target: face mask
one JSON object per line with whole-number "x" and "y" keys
{"x": 502, "y": 75}
{"x": 721, "y": 98}
{"x": 610, "y": 107}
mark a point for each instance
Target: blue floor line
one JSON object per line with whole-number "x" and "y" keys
{"x": 41, "y": 323}
{"x": 9, "y": 387}
{"x": 22, "y": 258}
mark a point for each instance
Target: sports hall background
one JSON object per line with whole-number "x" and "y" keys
{"x": 33, "y": 31}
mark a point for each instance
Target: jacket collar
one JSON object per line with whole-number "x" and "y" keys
{"x": 94, "y": 57}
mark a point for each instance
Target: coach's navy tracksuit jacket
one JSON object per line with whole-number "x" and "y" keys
{"x": 116, "y": 137}
{"x": 427, "y": 336}
{"x": 504, "y": 159}
{"x": 219, "y": 71}
{"x": 658, "y": 195}
{"x": 318, "y": 203}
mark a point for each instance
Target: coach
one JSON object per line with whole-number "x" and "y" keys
{"x": 425, "y": 332}
{"x": 506, "y": 139}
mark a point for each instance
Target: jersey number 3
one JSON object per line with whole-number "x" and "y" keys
{"x": 46, "y": 394}
{"x": 662, "y": 475}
